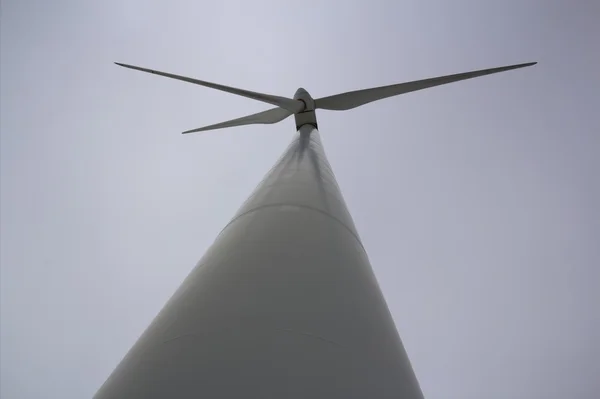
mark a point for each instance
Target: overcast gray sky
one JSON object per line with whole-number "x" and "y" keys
{"x": 478, "y": 202}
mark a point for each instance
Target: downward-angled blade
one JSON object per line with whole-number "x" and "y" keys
{"x": 273, "y": 115}
{"x": 283, "y": 102}
{"x": 353, "y": 99}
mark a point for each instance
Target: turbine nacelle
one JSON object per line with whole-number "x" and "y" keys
{"x": 303, "y": 106}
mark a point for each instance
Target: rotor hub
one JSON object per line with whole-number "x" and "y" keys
{"x": 309, "y": 102}
{"x": 307, "y": 115}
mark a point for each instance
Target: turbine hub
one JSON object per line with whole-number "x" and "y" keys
{"x": 307, "y": 115}
{"x": 302, "y": 95}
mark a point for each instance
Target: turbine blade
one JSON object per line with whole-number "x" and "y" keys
{"x": 353, "y": 99}
{"x": 283, "y": 102}
{"x": 273, "y": 115}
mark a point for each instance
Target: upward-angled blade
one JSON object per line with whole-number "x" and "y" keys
{"x": 353, "y": 99}
{"x": 273, "y": 115}
{"x": 283, "y": 102}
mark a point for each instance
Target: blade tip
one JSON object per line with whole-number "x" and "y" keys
{"x": 528, "y": 64}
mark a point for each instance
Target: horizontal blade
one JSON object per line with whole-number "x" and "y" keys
{"x": 286, "y": 103}
{"x": 353, "y": 99}
{"x": 266, "y": 117}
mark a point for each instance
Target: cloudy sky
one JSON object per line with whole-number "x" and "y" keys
{"x": 478, "y": 202}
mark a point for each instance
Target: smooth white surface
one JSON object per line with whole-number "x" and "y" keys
{"x": 283, "y": 304}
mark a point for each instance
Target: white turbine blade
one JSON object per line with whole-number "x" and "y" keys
{"x": 273, "y": 115}
{"x": 353, "y": 99}
{"x": 283, "y": 102}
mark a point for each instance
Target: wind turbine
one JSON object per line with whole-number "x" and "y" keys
{"x": 284, "y": 304}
